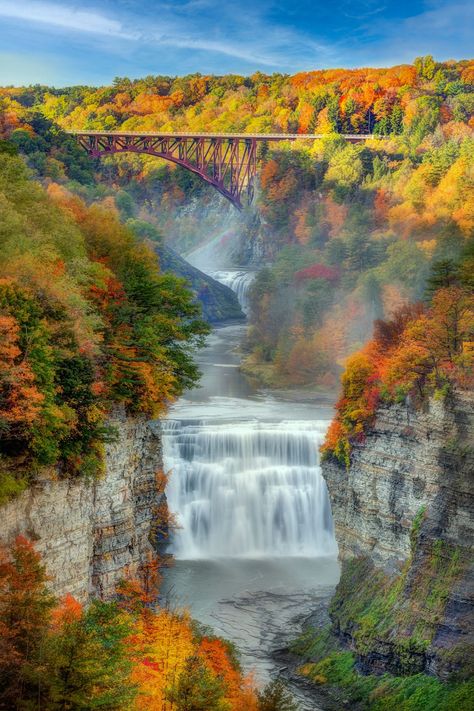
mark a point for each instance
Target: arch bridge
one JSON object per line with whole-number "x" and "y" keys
{"x": 228, "y": 161}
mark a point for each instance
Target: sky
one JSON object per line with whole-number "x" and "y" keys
{"x": 65, "y": 42}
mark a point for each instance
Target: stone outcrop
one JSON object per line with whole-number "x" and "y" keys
{"x": 218, "y": 302}
{"x": 405, "y": 509}
{"x": 90, "y": 533}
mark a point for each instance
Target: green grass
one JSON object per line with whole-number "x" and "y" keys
{"x": 417, "y": 692}
{"x": 395, "y": 615}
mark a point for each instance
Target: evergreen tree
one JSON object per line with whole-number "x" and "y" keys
{"x": 25, "y": 610}
{"x": 444, "y": 273}
{"x": 275, "y": 697}
{"x": 196, "y": 689}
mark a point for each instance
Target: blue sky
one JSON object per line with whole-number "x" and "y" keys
{"x": 61, "y": 42}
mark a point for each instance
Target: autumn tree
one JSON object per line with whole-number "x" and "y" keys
{"x": 88, "y": 658}
{"x": 25, "y": 613}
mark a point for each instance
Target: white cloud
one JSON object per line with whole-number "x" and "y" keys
{"x": 65, "y": 17}
{"x": 220, "y": 47}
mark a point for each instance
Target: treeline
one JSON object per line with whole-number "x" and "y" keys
{"x": 87, "y": 323}
{"x": 342, "y": 100}
{"x": 366, "y": 224}
{"x": 125, "y": 655}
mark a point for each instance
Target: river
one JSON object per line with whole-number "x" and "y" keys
{"x": 255, "y": 555}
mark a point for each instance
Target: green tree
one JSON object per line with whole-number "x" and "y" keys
{"x": 345, "y": 167}
{"x": 88, "y": 661}
{"x": 444, "y": 273}
{"x": 197, "y": 689}
{"x": 25, "y": 611}
{"x": 275, "y": 697}
{"x": 425, "y": 67}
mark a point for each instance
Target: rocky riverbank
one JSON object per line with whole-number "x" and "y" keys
{"x": 403, "y": 517}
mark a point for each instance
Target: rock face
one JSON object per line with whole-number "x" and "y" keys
{"x": 405, "y": 508}
{"x": 409, "y": 460}
{"x": 91, "y": 533}
{"x": 219, "y": 303}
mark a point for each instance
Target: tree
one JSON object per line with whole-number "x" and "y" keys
{"x": 345, "y": 167}
{"x": 444, "y": 273}
{"x": 197, "y": 689}
{"x": 88, "y": 658}
{"x": 275, "y": 697}
{"x": 425, "y": 66}
{"x": 453, "y": 320}
{"x": 25, "y": 609}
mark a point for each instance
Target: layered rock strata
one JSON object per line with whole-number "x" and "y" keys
{"x": 91, "y": 533}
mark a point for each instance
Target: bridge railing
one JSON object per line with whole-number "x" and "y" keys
{"x": 240, "y": 136}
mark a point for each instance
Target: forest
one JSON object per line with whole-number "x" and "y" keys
{"x": 362, "y": 215}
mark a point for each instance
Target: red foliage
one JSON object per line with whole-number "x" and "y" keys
{"x": 318, "y": 271}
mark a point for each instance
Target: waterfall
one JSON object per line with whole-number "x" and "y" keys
{"x": 239, "y": 281}
{"x": 247, "y": 488}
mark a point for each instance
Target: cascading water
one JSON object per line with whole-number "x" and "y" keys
{"x": 244, "y": 485}
{"x": 238, "y": 280}
{"x": 248, "y": 488}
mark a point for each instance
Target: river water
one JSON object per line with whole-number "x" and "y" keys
{"x": 255, "y": 555}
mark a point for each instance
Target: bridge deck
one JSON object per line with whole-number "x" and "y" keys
{"x": 240, "y": 136}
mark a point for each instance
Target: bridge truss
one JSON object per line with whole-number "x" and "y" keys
{"x": 226, "y": 161}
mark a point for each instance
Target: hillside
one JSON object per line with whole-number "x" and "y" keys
{"x": 398, "y": 461}
{"x": 88, "y": 323}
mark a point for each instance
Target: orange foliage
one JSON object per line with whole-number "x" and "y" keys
{"x": 161, "y": 646}
{"x": 335, "y": 215}
{"x": 20, "y": 399}
{"x": 269, "y": 172}
{"x": 69, "y": 610}
{"x": 381, "y": 205}
{"x": 305, "y": 117}
{"x": 417, "y": 348}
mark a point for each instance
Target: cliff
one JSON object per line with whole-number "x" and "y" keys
{"x": 404, "y": 524}
{"x": 91, "y": 532}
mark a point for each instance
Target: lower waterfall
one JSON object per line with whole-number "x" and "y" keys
{"x": 245, "y": 479}
{"x": 247, "y": 488}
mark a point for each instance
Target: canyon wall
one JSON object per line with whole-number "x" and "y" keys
{"x": 404, "y": 521}
{"x": 90, "y": 533}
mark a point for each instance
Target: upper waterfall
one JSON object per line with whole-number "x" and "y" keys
{"x": 239, "y": 280}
